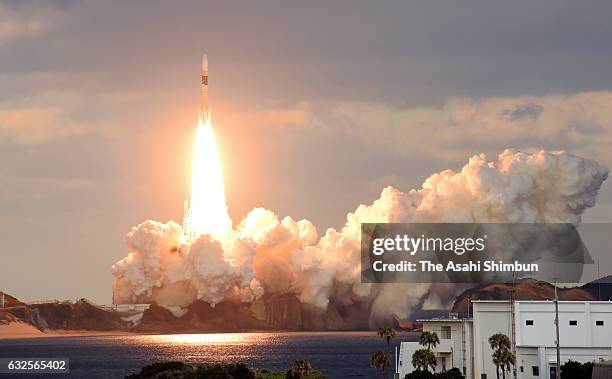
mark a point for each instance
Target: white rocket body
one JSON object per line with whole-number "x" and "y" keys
{"x": 204, "y": 117}
{"x": 204, "y": 110}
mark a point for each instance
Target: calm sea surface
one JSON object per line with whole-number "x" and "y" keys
{"x": 340, "y": 355}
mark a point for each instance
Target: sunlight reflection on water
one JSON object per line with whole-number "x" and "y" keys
{"x": 339, "y": 354}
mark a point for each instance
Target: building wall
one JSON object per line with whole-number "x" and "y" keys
{"x": 405, "y": 357}
{"x": 535, "y": 344}
{"x": 526, "y": 359}
{"x": 489, "y": 318}
{"x": 585, "y": 341}
{"x": 601, "y": 335}
{"x": 586, "y": 332}
{"x": 458, "y": 349}
{"x": 450, "y": 351}
{"x": 545, "y": 357}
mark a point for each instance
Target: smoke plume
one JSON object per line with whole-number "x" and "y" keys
{"x": 268, "y": 255}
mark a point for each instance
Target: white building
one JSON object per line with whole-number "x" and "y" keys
{"x": 585, "y": 330}
{"x": 455, "y": 348}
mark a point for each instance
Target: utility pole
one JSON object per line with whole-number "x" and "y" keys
{"x": 513, "y": 322}
{"x": 598, "y": 281}
{"x": 558, "y": 370}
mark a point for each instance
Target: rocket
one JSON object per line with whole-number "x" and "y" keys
{"x": 204, "y": 110}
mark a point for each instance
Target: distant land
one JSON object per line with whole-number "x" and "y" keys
{"x": 530, "y": 289}
{"x": 269, "y": 313}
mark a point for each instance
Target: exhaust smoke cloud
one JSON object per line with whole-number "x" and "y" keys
{"x": 266, "y": 255}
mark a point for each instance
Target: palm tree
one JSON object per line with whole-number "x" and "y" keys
{"x": 387, "y": 332}
{"x": 429, "y": 339}
{"x": 502, "y": 356}
{"x": 499, "y": 341}
{"x": 422, "y": 359}
{"x": 504, "y": 359}
{"x": 381, "y": 360}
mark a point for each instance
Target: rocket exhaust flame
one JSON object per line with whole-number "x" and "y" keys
{"x": 206, "y": 210}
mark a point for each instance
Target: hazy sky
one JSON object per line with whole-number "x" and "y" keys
{"x": 317, "y": 106}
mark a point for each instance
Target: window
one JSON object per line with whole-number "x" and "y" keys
{"x": 535, "y": 370}
{"x": 599, "y": 323}
{"x": 483, "y": 376}
{"x": 443, "y": 363}
{"x": 445, "y": 333}
{"x": 529, "y": 322}
{"x": 573, "y": 322}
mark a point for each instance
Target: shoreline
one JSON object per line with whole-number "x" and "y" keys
{"x": 24, "y": 331}
{"x": 18, "y": 330}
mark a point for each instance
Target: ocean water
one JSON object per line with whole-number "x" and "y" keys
{"x": 340, "y": 355}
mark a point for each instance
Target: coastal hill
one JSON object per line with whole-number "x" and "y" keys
{"x": 530, "y": 289}
{"x": 284, "y": 312}
{"x": 65, "y": 315}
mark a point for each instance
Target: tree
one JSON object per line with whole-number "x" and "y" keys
{"x": 504, "y": 359}
{"x": 419, "y": 374}
{"x": 299, "y": 367}
{"x": 429, "y": 339}
{"x": 422, "y": 359}
{"x": 502, "y": 356}
{"x": 454, "y": 373}
{"x": 387, "y": 332}
{"x": 382, "y": 361}
{"x": 499, "y": 341}
{"x": 573, "y": 369}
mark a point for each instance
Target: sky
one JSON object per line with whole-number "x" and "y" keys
{"x": 316, "y": 105}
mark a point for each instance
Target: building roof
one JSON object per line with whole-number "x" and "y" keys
{"x": 542, "y": 301}
{"x": 445, "y": 319}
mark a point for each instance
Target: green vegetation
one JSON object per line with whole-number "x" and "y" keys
{"x": 180, "y": 370}
{"x": 499, "y": 341}
{"x": 429, "y": 339}
{"x": 299, "y": 369}
{"x": 503, "y": 358}
{"x": 572, "y": 369}
{"x": 265, "y": 374}
{"x": 423, "y": 359}
{"x": 379, "y": 359}
{"x": 382, "y": 361}
{"x": 453, "y": 373}
{"x": 387, "y": 332}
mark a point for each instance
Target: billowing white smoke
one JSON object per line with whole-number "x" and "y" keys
{"x": 268, "y": 255}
